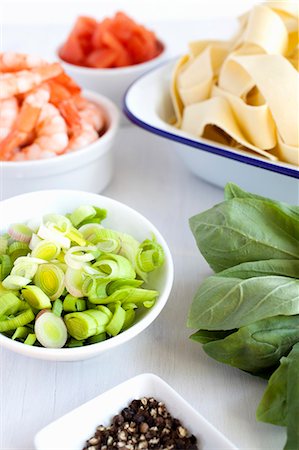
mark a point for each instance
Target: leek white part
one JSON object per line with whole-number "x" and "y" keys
{"x": 15, "y": 282}
{"x": 53, "y": 235}
{"x": 74, "y": 280}
{"x": 24, "y": 269}
{"x": 50, "y": 278}
{"x": 88, "y": 269}
{"x": 50, "y": 330}
{"x": 46, "y": 250}
{"x": 76, "y": 256}
{"x": 20, "y": 232}
{"x": 30, "y": 260}
{"x": 57, "y": 222}
{"x": 34, "y": 241}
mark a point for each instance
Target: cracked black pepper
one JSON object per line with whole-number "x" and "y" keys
{"x": 143, "y": 424}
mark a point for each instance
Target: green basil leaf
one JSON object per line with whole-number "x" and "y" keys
{"x": 257, "y": 346}
{"x": 233, "y": 191}
{"x": 223, "y": 303}
{"x": 245, "y": 229}
{"x": 280, "y": 402}
{"x": 293, "y": 400}
{"x": 281, "y": 267}
{"x": 273, "y": 405}
{"x": 204, "y": 336}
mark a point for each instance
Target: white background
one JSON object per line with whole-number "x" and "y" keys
{"x": 62, "y": 11}
{"x": 32, "y": 392}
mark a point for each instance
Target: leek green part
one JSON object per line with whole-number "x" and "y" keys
{"x": 30, "y": 339}
{"x": 5, "y": 266}
{"x": 150, "y": 255}
{"x": 82, "y": 325}
{"x": 107, "y": 241}
{"x": 117, "y": 322}
{"x": 3, "y": 244}
{"x": 9, "y": 304}
{"x": 17, "y": 249}
{"x": 114, "y": 266}
{"x": 36, "y": 298}
{"x": 97, "y": 338}
{"x": 73, "y": 343}
{"x": 73, "y": 304}
{"x": 82, "y": 213}
{"x": 129, "y": 319}
{"x": 21, "y": 333}
{"x": 57, "y": 307}
{"x": 22, "y": 318}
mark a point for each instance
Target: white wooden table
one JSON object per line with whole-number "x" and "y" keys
{"x": 151, "y": 178}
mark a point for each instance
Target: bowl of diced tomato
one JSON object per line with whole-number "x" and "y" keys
{"x": 107, "y": 56}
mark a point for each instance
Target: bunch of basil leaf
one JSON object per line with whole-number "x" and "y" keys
{"x": 247, "y": 313}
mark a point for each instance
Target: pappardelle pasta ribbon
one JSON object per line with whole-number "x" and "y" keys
{"x": 245, "y": 92}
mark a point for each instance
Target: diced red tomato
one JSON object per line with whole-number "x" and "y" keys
{"x": 83, "y": 30}
{"x": 72, "y": 52}
{"x": 102, "y": 58}
{"x": 114, "y": 42}
{"x": 101, "y": 28}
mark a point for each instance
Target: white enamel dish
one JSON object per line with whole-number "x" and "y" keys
{"x": 119, "y": 217}
{"x": 147, "y": 104}
{"x": 71, "y": 431}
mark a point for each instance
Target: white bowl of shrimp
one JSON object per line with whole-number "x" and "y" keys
{"x": 52, "y": 135}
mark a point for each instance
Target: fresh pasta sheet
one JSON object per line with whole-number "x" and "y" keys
{"x": 245, "y": 92}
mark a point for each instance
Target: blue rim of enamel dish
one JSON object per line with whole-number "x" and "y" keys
{"x": 252, "y": 161}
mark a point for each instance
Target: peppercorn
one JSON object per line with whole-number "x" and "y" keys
{"x": 144, "y": 424}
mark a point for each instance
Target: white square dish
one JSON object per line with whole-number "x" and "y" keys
{"x": 147, "y": 104}
{"x": 71, "y": 431}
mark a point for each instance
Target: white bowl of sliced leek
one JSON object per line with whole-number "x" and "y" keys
{"x": 91, "y": 282}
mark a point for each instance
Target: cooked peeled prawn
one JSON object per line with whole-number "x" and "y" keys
{"x": 15, "y": 83}
{"x": 93, "y": 115}
{"x": 13, "y": 62}
{"x": 92, "y": 120}
{"x": 82, "y": 136}
{"x": 32, "y": 152}
{"x": 67, "y": 82}
{"x": 62, "y": 98}
{"x": 51, "y": 136}
{"x": 25, "y": 122}
{"x": 8, "y": 113}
